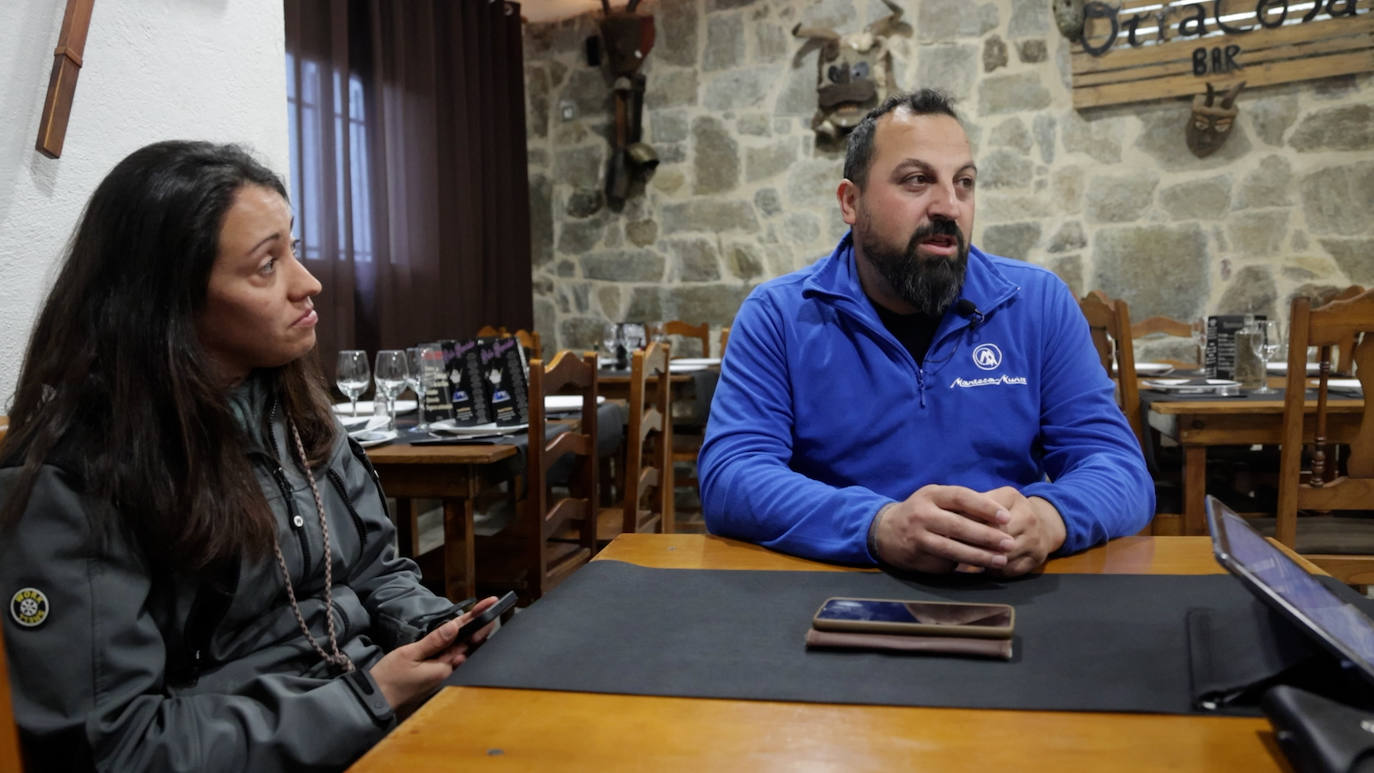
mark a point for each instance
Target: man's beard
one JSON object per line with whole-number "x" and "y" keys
{"x": 930, "y": 284}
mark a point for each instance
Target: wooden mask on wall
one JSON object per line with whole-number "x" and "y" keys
{"x": 1211, "y": 123}
{"x": 854, "y": 73}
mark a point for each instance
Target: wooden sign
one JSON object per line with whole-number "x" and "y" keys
{"x": 1140, "y": 50}
{"x": 57, "y": 108}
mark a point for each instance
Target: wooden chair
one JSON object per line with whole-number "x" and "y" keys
{"x": 1110, "y": 323}
{"x": 1342, "y": 545}
{"x": 724, "y": 336}
{"x": 527, "y": 556}
{"x": 650, "y": 470}
{"x": 9, "y": 730}
{"x": 1153, "y": 327}
{"x": 529, "y": 339}
{"x": 687, "y": 330}
{"x": 688, "y": 434}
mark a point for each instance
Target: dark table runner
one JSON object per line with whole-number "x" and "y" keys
{"x": 1083, "y": 642}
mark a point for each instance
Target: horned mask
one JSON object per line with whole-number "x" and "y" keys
{"x": 1211, "y": 123}
{"x": 854, "y": 73}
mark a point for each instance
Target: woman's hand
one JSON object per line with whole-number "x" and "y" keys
{"x": 409, "y": 674}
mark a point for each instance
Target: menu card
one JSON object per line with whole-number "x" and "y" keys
{"x": 467, "y": 393}
{"x": 434, "y": 379}
{"x": 506, "y": 384}
{"x": 1220, "y": 356}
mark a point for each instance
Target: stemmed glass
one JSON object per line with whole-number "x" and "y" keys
{"x": 415, "y": 379}
{"x": 352, "y": 375}
{"x": 392, "y": 373}
{"x": 611, "y": 338}
{"x": 1265, "y": 343}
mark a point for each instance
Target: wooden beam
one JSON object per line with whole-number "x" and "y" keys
{"x": 57, "y": 108}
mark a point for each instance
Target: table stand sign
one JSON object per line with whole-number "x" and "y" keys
{"x": 506, "y": 386}
{"x": 1220, "y": 354}
{"x": 467, "y": 388}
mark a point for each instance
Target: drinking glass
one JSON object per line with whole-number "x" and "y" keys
{"x": 1264, "y": 341}
{"x": 1199, "y": 331}
{"x": 391, "y": 375}
{"x": 611, "y": 338}
{"x": 635, "y": 336}
{"x": 352, "y": 375}
{"x": 415, "y": 380}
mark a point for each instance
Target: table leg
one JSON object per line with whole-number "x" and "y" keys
{"x": 1194, "y": 489}
{"x": 460, "y": 568}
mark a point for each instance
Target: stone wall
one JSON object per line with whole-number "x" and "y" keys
{"x": 1108, "y": 198}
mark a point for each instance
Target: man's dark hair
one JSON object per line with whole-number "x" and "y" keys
{"x": 116, "y": 388}
{"x": 858, "y": 154}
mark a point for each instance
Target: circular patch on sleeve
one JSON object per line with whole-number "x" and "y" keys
{"x": 29, "y": 607}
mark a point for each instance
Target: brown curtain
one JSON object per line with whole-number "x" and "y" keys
{"x": 408, "y": 167}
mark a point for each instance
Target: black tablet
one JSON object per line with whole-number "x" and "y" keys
{"x": 1339, "y": 627}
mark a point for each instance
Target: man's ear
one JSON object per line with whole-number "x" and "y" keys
{"x": 848, "y": 194}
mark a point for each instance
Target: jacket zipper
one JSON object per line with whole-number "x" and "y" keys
{"x": 337, "y": 481}
{"x": 297, "y": 522}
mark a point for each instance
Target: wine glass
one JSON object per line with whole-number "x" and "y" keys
{"x": 1199, "y": 334}
{"x": 1264, "y": 342}
{"x": 415, "y": 378}
{"x": 352, "y": 375}
{"x": 391, "y": 375}
{"x": 610, "y": 338}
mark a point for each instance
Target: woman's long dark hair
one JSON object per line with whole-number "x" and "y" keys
{"x": 116, "y": 388}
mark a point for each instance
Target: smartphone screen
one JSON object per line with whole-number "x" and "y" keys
{"x": 916, "y": 613}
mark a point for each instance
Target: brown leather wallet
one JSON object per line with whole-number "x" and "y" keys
{"x": 938, "y": 645}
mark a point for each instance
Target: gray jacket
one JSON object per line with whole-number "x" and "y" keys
{"x": 135, "y": 670}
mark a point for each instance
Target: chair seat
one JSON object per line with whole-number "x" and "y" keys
{"x": 1334, "y": 534}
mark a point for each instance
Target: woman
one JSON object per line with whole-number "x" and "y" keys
{"x": 181, "y": 513}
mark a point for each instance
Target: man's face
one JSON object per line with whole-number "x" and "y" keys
{"x": 914, "y": 215}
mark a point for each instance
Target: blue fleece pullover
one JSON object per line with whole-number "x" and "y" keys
{"x": 822, "y": 417}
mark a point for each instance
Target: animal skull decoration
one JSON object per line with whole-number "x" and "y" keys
{"x": 1211, "y": 124}
{"x": 853, "y": 74}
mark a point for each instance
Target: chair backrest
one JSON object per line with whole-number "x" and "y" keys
{"x": 551, "y": 563}
{"x": 529, "y": 339}
{"x": 724, "y": 336}
{"x": 1154, "y": 327}
{"x": 647, "y": 465}
{"x": 1109, "y": 320}
{"x": 1338, "y": 323}
{"x": 9, "y": 731}
{"x": 1345, "y": 348}
{"x": 702, "y": 333}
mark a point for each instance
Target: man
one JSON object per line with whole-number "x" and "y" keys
{"x": 912, "y": 401}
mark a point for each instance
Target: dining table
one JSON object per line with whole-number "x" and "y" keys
{"x": 502, "y": 728}
{"x": 1199, "y": 421}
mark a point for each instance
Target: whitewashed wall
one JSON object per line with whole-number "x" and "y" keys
{"x": 153, "y": 70}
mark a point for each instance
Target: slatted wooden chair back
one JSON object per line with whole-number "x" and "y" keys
{"x": 647, "y": 501}
{"x": 1342, "y": 546}
{"x": 1154, "y": 327}
{"x": 1109, "y": 320}
{"x": 553, "y": 534}
{"x": 529, "y": 339}
{"x": 724, "y": 336}
{"x": 700, "y": 333}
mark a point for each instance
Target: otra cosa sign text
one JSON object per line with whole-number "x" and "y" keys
{"x": 1140, "y": 50}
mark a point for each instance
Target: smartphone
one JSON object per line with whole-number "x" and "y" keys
{"x": 471, "y": 627}
{"x": 930, "y": 618}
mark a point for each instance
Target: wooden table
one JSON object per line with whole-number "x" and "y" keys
{"x": 1200, "y": 422}
{"x": 447, "y": 473}
{"x": 507, "y": 729}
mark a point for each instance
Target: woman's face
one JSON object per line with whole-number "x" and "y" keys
{"x": 258, "y": 310}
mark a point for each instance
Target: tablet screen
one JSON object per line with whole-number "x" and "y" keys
{"x": 1342, "y": 624}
